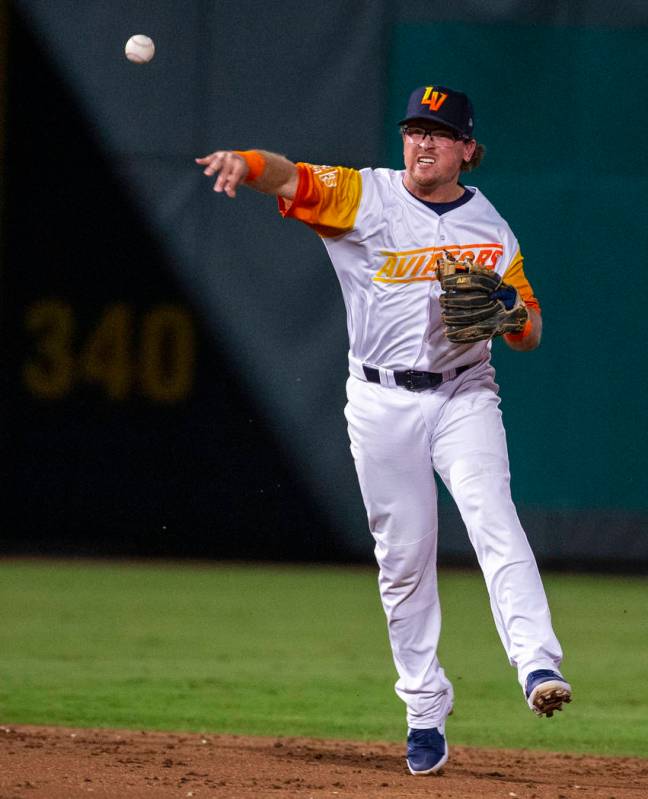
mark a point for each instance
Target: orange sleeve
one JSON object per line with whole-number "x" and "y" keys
{"x": 515, "y": 276}
{"x": 327, "y": 198}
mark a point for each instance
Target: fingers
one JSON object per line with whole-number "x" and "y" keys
{"x": 230, "y": 167}
{"x": 213, "y": 162}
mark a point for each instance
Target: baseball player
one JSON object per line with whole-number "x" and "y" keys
{"x": 430, "y": 273}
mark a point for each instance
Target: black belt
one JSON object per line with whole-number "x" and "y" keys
{"x": 413, "y": 380}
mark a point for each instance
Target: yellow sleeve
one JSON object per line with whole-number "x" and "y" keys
{"x": 515, "y": 276}
{"x": 327, "y": 198}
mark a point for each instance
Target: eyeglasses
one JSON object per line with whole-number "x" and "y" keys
{"x": 440, "y": 138}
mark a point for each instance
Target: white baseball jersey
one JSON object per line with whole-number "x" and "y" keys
{"x": 384, "y": 244}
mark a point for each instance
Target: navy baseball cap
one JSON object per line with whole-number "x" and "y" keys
{"x": 443, "y": 105}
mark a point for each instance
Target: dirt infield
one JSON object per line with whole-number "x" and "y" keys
{"x": 61, "y": 763}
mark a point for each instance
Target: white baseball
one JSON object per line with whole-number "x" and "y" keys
{"x": 139, "y": 48}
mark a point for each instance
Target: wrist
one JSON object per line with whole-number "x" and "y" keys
{"x": 256, "y": 164}
{"x": 524, "y": 333}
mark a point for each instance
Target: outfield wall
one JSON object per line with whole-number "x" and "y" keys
{"x": 176, "y": 361}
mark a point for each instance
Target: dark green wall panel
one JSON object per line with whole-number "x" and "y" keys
{"x": 562, "y": 115}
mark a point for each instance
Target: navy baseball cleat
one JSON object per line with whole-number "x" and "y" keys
{"x": 546, "y": 691}
{"x": 427, "y": 751}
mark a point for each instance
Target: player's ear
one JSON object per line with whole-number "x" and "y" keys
{"x": 469, "y": 150}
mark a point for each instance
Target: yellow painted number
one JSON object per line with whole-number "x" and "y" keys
{"x": 106, "y": 357}
{"x": 155, "y": 357}
{"x": 167, "y": 354}
{"x": 50, "y": 375}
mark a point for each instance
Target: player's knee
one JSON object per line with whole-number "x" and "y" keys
{"x": 391, "y": 531}
{"x": 407, "y": 580}
{"x": 401, "y": 562}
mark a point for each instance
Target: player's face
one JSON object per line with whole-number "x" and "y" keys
{"x": 433, "y": 157}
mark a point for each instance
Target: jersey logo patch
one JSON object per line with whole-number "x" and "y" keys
{"x": 409, "y": 266}
{"x": 327, "y": 174}
{"x": 433, "y": 98}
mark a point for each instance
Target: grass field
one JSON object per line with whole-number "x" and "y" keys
{"x": 270, "y": 650}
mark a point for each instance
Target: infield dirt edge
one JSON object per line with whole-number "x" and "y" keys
{"x": 38, "y": 762}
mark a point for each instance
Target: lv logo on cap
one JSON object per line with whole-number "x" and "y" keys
{"x": 433, "y": 98}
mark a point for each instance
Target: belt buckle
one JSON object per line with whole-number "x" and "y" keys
{"x": 415, "y": 381}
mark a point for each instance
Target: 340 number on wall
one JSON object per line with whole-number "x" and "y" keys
{"x": 125, "y": 354}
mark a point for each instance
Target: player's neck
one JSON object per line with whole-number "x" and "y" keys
{"x": 440, "y": 193}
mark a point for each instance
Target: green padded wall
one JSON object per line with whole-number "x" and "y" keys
{"x": 563, "y": 115}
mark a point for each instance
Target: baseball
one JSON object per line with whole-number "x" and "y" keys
{"x": 140, "y": 49}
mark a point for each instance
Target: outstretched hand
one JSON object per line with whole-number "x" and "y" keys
{"x": 232, "y": 170}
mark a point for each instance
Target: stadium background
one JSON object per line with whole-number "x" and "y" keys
{"x": 175, "y": 362}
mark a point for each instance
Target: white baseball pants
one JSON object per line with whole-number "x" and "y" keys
{"x": 398, "y": 439}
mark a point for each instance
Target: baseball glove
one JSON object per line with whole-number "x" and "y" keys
{"x": 476, "y": 304}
